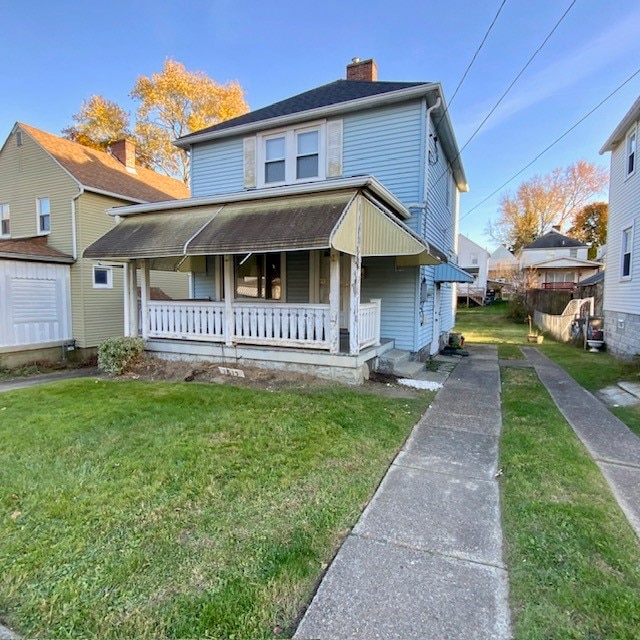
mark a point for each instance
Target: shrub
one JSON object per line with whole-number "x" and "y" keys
{"x": 116, "y": 355}
{"x": 517, "y": 310}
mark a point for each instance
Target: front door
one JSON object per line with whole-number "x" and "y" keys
{"x": 435, "y": 342}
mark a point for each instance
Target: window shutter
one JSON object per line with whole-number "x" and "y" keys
{"x": 249, "y": 162}
{"x": 334, "y": 148}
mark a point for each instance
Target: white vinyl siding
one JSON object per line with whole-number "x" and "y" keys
{"x": 622, "y": 294}
{"x": 34, "y": 303}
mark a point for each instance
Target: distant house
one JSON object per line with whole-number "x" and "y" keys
{"x": 320, "y": 234}
{"x": 557, "y": 261}
{"x": 502, "y": 264}
{"x": 53, "y": 200}
{"x": 622, "y": 275}
{"x": 473, "y": 259}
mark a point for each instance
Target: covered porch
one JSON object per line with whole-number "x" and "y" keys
{"x": 277, "y": 270}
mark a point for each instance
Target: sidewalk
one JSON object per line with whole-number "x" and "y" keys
{"x": 425, "y": 559}
{"x": 44, "y": 378}
{"x": 614, "y": 447}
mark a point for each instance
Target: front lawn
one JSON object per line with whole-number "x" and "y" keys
{"x": 157, "y": 510}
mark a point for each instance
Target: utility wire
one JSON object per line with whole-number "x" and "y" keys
{"x": 566, "y": 133}
{"x": 507, "y": 90}
{"x": 473, "y": 59}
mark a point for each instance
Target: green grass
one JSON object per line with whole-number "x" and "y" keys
{"x": 574, "y": 562}
{"x": 157, "y": 510}
{"x": 594, "y": 371}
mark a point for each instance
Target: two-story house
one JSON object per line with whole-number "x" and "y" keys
{"x": 556, "y": 261}
{"x": 622, "y": 275}
{"x": 320, "y": 232}
{"x": 54, "y": 194}
{"x": 473, "y": 259}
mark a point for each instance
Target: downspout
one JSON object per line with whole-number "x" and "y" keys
{"x": 74, "y": 232}
{"x": 426, "y": 173}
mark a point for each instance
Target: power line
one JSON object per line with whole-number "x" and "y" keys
{"x": 507, "y": 90}
{"x": 566, "y": 133}
{"x": 473, "y": 59}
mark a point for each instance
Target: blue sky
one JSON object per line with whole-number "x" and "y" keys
{"x": 71, "y": 50}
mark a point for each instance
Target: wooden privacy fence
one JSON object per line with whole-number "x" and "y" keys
{"x": 559, "y": 327}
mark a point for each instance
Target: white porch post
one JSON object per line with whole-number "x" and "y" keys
{"x": 133, "y": 298}
{"x": 355, "y": 281}
{"x": 334, "y": 301}
{"x": 378, "y": 303}
{"x": 145, "y": 291}
{"x": 228, "y": 300}
{"x": 126, "y": 285}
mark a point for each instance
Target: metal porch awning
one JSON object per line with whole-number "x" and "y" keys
{"x": 451, "y": 273}
{"x": 344, "y": 220}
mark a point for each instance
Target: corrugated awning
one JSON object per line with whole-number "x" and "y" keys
{"x": 313, "y": 221}
{"x": 451, "y": 273}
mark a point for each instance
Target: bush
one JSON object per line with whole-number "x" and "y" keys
{"x": 517, "y": 310}
{"x": 116, "y": 355}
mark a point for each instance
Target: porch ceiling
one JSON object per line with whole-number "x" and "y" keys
{"x": 313, "y": 221}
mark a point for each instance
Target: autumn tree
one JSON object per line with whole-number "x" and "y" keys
{"x": 590, "y": 226}
{"x": 171, "y": 104}
{"x": 99, "y": 123}
{"x": 545, "y": 201}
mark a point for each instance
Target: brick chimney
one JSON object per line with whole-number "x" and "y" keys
{"x": 362, "y": 70}
{"x": 125, "y": 151}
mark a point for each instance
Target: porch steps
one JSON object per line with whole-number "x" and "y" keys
{"x": 409, "y": 369}
{"x": 392, "y": 359}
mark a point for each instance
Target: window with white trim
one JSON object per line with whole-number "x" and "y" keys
{"x": 102, "y": 277}
{"x": 631, "y": 152}
{"x": 294, "y": 155}
{"x": 573, "y": 253}
{"x": 5, "y": 221}
{"x": 44, "y": 215}
{"x": 626, "y": 245}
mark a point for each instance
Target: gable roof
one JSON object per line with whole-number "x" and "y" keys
{"x": 34, "y": 249}
{"x": 554, "y": 240}
{"x": 100, "y": 172}
{"x": 324, "y": 96}
{"x": 621, "y": 130}
{"x": 339, "y": 97}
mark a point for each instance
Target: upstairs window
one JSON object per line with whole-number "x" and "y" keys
{"x": 625, "y": 266}
{"x": 291, "y": 156}
{"x": 631, "y": 152}
{"x": 5, "y": 227}
{"x": 44, "y": 215}
{"x": 573, "y": 253}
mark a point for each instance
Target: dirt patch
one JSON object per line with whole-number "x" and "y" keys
{"x": 154, "y": 369}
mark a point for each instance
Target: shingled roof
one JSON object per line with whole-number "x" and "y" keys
{"x": 554, "y": 240}
{"x": 34, "y": 249}
{"x": 100, "y": 171}
{"x": 324, "y": 96}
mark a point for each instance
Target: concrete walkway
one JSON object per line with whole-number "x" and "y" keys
{"x": 34, "y": 381}
{"x": 614, "y": 447}
{"x": 425, "y": 559}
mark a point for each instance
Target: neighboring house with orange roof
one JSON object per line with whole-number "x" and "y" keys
{"x": 54, "y": 194}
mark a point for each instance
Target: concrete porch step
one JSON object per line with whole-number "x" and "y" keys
{"x": 409, "y": 369}
{"x": 388, "y": 362}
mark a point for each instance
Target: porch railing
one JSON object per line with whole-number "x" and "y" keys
{"x": 273, "y": 324}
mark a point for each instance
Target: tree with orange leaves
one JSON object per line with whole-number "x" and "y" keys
{"x": 172, "y": 103}
{"x": 543, "y": 202}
